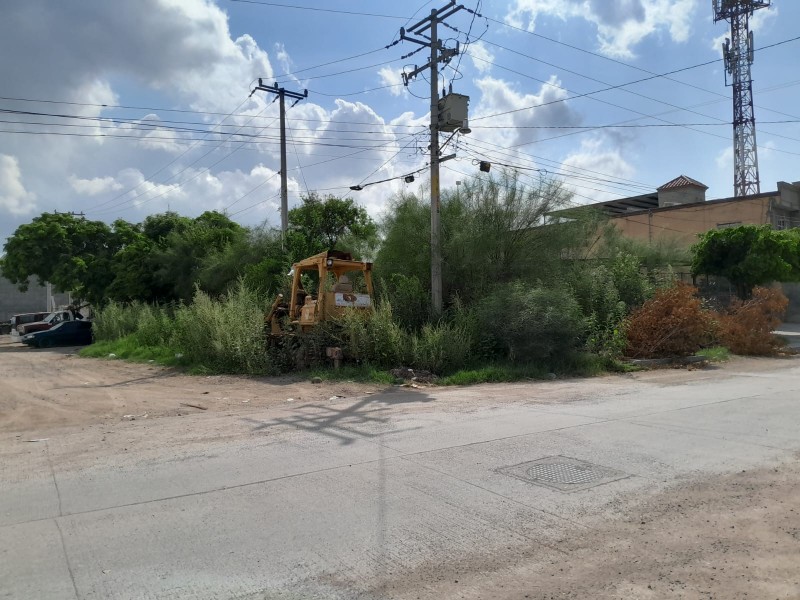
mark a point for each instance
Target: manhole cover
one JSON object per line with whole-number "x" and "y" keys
{"x": 563, "y": 473}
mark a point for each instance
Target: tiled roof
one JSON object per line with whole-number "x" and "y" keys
{"x": 682, "y": 181}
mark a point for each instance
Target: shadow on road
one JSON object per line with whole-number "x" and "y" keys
{"x": 117, "y": 383}
{"x": 365, "y": 418}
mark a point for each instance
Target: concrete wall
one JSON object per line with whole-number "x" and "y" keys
{"x": 12, "y": 301}
{"x": 684, "y": 223}
{"x": 792, "y": 291}
{"x": 684, "y": 195}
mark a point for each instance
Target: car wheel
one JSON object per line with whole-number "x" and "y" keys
{"x": 45, "y": 343}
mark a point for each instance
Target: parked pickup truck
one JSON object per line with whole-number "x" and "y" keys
{"x": 51, "y": 320}
{"x": 23, "y": 318}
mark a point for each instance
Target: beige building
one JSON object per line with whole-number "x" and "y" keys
{"x": 679, "y": 210}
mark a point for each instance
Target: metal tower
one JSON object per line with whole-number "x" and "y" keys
{"x": 738, "y": 53}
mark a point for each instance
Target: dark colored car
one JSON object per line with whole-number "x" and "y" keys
{"x": 53, "y": 319}
{"x": 69, "y": 333}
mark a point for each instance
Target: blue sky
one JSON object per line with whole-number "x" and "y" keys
{"x": 123, "y": 109}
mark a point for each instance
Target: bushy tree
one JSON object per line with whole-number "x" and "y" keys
{"x": 257, "y": 257}
{"x": 329, "y": 223}
{"x": 748, "y": 255}
{"x": 493, "y": 231}
{"x": 72, "y": 253}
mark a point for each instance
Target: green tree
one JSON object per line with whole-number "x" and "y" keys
{"x": 329, "y": 223}
{"x": 493, "y": 232}
{"x": 748, "y": 256}
{"x": 257, "y": 257}
{"x": 72, "y": 253}
{"x": 179, "y": 255}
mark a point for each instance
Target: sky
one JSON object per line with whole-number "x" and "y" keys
{"x": 133, "y": 107}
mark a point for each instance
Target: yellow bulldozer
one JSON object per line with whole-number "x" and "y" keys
{"x": 340, "y": 283}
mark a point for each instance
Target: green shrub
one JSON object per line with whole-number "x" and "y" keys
{"x": 605, "y": 311}
{"x": 409, "y": 300}
{"x": 117, "y": 320}
{"x": 225, "y": 335}
{"x": 154, "y": 326}
{"x": 441, "y": 347}
{"x": 529, "y": 323}
{"x": 373, "y": 338}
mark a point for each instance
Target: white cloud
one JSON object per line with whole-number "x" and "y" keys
{"x": 724, "y": 159}
{"x": 597, "y": 157}
{"x": 520, "y": 114}
{"x": 621, "y": 24}
{"x": 14, "y": 198}
{"x": 482, "y": 57}
{"x": 182, "y": 47}
{"x": 390, "y": 76}
{"x": 94, "y": 186}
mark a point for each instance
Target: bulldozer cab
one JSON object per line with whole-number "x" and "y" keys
{"x": 341, "y": 283}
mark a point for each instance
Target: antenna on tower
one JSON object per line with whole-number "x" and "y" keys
{"x": 738, "y": 54}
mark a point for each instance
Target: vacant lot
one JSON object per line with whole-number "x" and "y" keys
{"x": 350, "y": 491}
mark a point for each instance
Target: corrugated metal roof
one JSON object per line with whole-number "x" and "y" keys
{"x": 682, "y": 181}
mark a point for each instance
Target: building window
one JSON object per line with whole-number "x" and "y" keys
{"x": 728, "y": 225}
{"x": 781, "y": 222}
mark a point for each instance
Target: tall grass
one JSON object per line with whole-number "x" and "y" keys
{"x": 379, "y": 340}
{"x": 225, "y": 335}
{"x": 219, "y": 335}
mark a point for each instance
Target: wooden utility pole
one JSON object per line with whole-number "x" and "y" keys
{"x": 297, "y": 96}
{"x": 439, "y": 54}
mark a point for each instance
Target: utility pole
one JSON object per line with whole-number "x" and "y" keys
{"x": 738, "y": 54}
{"x": 439, "y": 54}
{"x": 282, "y": 93}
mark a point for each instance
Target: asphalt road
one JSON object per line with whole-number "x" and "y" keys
{"x": 373, "y": 496}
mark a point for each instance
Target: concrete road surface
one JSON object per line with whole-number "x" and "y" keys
{"x": 380, "y": 496}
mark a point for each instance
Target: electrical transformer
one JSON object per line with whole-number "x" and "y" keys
{"x": 453, "y": 112}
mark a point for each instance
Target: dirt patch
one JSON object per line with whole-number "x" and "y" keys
{"x": 729, "y": 537}
{"x": 55, "y": 388}
{"x": 45, "y": 389}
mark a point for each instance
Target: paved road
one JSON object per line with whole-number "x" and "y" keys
{"x": 340, "y": 499}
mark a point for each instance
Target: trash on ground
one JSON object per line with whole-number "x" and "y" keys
{"x": 200, "y": 406}
{"x": 38, "y": 440}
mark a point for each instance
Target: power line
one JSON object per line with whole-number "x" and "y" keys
{"x": 166, "y": 165}
{"x": 614, "y": 87}
{"x": 617, "y": 61}
{"x": 622, "y": 87}
{"x": 197, "y": 112}
{"x": 155, "y": 126}
{"x": 325, "y": 10}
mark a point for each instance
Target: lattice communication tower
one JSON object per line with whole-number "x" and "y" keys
{"x": 738, "y": 53}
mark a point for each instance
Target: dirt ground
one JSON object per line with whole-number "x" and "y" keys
{"x": 727, "y": 537}
{"x": 53, "y": 388}
{"x": 43, "y": 389}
